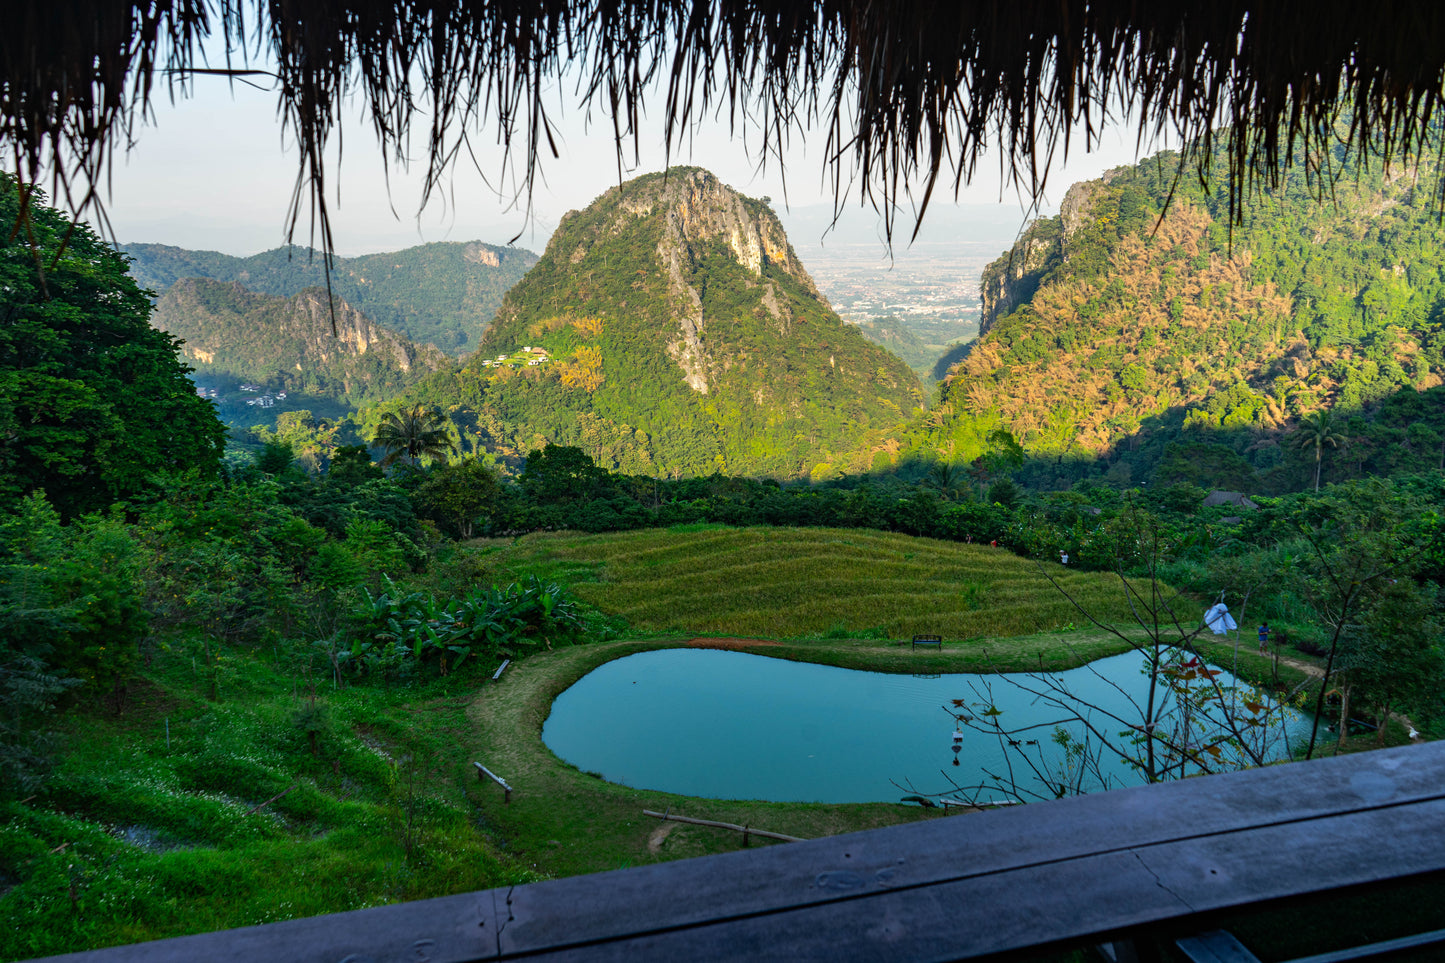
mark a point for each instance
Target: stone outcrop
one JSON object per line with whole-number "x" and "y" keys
{"x": 1013, "y": 279}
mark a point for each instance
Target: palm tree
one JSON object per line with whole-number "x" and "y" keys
{"x": 945, "y": 476}
{"x": 1315, "y": 431}
{"x": 413, "y": 434}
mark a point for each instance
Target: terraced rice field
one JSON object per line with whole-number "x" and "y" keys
{"x": 813, "y": 582}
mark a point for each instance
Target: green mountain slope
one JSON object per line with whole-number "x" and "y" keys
{"x": 682, "y": 336}
{"x": 1107, "y": 329}
{"x": 896, "y": 334}
{"x": 287, "y": 344}
{"x": 443, "y": 294}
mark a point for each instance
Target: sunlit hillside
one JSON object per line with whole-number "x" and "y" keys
{"x": 791, "y": 582}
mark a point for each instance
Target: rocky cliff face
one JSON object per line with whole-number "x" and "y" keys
{"x": 1013, "y": 279}
{"x": 699, "y": 218}
{"x": 443, "y": 293}
{"x": 677, "y": 304}
{"x": 289, "y": 342}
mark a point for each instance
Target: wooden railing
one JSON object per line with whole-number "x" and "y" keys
{"x": 1096, "y": 869}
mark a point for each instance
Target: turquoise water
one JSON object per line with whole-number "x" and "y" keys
{"x": 729, "y": 725}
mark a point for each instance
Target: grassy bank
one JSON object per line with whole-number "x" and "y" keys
{"x": 563, "y": 821}
{"x": 185, "y": 815}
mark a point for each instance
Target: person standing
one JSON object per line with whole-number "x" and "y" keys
{"x": 1263, "y": 636}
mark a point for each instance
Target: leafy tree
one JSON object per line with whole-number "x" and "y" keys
{"x": 1004, "y": 492}
{"x": 93, "y": 401}
{"x": 1187, "y": 721}
{"x": 275, "y": 457}
{"x": 70, "y": 598}
{"x": 1316, "y": 431}
{"x": 560, "y": 473}
{"x": 459, "y": 494}
{"x": 1394, "y": 654}
{"x": 1361, "y": 536}
{"x": 945, "y": 476}
{"x": 352, "y": 465}
{"x": 28, "y": 693}
{"x": 416, "y": 433}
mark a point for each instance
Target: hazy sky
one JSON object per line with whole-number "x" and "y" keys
{"x": 212, "y": 173}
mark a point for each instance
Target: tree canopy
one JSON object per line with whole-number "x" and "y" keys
{"x": 415, "y": 433}
{"x": 93, "y": 400}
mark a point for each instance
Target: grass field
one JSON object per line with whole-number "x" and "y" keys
{"x": 185, "y": 815}
{"x": 810, "y": 582}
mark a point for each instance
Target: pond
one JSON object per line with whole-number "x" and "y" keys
{"x": 729, "y": 725}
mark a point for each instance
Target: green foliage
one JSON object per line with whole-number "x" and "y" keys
{"x": 414, "y": 434}
{"x": 407, "y": 631}
{"x": 234, "y": 820}
{"x": 275, "y": 457}
{"x": 1201, "y": 464}
{"x": 234, "y": 335}
{"x": 560, "y": 473}
{"x": 1004, "y": 492}
{"x": 1315, "y": 433}
{"x": 1396, "y": 653}
{"x": 351, "y": 465}
{"x": 71, "y": 597}
{"x": 461, "y": 494}
{"x": 29, "y": 690}
{"x": 1152, "y": 327}
{"x": 774, "y": 384}
{"x": 93, "y": 401}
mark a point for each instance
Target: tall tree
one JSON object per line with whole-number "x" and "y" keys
{"x": 94, "y": 402}
{"x": 416, "y": 433}
{"x": 1316, "y": 431}
{"x": 460, "y": 494}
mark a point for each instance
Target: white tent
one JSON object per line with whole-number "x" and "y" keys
{"x": 1219, "y": 620}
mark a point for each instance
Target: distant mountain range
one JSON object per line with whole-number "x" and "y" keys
{"x": 678, "y": 334}
{"x": 443, "y": 294}
{"x": 288, "y": 344}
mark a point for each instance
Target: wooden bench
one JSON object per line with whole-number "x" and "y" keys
{"x": 934, "y": 640}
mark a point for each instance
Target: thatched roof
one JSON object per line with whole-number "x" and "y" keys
{"x": 908, "y": 94}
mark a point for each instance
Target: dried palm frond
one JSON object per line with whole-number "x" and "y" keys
{"x": 909, "y": 94}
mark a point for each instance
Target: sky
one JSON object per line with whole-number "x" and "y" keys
{"x": 212, "y": 172}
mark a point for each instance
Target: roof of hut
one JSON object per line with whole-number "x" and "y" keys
{"x": 908, "y": 93}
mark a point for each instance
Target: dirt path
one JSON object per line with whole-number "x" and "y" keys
{"x": 1308, "y": 668}
{"x": 732, "y": 645}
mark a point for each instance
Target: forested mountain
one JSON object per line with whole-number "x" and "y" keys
{"x": 288, "y": 344}
{"x": 895, "y": 335}
{"x": 679, "y": 334}
{"x": 1110, "y": 332}
{"x": 443, "y": 294}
